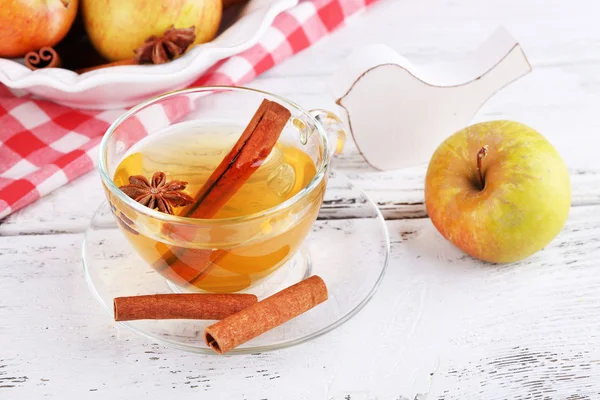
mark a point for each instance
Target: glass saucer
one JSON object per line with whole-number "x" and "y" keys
{"x": 348, "y": 247}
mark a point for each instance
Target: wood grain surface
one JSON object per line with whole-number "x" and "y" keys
{"x": 442, "y": 325}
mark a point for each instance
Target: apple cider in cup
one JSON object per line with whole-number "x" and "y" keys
{"x": 220, "y": 257}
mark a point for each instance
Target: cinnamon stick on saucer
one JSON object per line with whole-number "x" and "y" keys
{"x": 265, "y": 315}
{"x": 181, "y": 306}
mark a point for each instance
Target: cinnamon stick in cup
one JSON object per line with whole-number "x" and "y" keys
{"x": 181, "y": 306}
{"x": 247, "y": 155}
{"x": 265, "y": 315}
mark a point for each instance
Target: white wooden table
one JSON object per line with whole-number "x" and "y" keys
{"x": 441, "y": 326}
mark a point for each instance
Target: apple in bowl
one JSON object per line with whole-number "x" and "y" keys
{"x": 27, "y": 25}
{"x": 498, "y": 190}
{"x": 117, "y": 28}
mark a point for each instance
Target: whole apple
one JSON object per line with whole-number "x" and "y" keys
{"x": 117, "y": 27}
{"x": 27, "y": 25}
{"x": 510, "y": 207}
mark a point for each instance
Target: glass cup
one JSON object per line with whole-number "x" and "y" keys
{"x": 226, "y": 254}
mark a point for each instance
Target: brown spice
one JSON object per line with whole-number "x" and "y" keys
{"x": 180, "y": 264}
{"x": 155, "y": 50}
{"x": 172, "y": 44}
{"x": 46, "y": 57}
{"x": 246, "y": 156}
{"x": 265, "y": 315}
{"x": 158, "y": 193}
{"x": 180, "y": 306}
{"x": 112, "y": 64}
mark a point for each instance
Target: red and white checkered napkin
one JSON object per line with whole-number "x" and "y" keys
{"x": 44, "y": 145}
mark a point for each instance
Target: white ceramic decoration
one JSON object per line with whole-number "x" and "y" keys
{"x": 124, "y": 86}
{"x": 399, "y": 113}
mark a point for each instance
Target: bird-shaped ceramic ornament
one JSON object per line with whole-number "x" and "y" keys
{"x": 398, "y": 113}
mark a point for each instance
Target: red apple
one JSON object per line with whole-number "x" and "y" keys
{"x": 510, "y": 207}
{"x": 117, "y": 27}
{"x": 27, "y": 25}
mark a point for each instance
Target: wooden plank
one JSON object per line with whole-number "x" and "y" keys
{"x": 398, "y": 194}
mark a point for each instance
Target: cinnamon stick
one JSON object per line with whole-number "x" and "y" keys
{"x": 190, "y": 265}
{"x": 180, "y": 306}
{"x": 247, "y": 155}
{"x": 46, "y": 57}
{"x": 112, "y": 64}
{"x": 265, "y": 315}
{"x": 249, "y": 152}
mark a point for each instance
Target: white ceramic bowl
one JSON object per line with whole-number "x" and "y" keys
{"x": 124, "y": 86}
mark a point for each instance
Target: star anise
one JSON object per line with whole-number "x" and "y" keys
{"x": 158, "y": 193}
{"x": 172, "y": 44}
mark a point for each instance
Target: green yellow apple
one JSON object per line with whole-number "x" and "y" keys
{"x": 509, "y": 208}
{"x": 117, "y": 27}
{"x": 28, "y": 25}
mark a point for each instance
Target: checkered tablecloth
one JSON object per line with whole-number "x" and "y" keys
{"x": 44, "y": 145}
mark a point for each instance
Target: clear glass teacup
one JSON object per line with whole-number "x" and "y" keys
{"x": 186, "y": 134}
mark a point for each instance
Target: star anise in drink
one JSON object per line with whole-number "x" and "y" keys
{"x": 157, "y": 193}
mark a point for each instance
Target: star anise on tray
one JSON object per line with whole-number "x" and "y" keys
{"x": 157, "y": 193}
{"x": 172, "y": 44}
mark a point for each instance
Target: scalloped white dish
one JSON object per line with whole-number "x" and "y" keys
{"x": 124, "y": 86}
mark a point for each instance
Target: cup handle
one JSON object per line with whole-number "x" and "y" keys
{"x": 334, "y": 128}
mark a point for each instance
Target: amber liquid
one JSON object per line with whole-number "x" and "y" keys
{"x": 232, "y": 256}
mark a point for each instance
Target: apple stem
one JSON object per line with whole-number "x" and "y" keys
{"x": 480, "y": 156}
